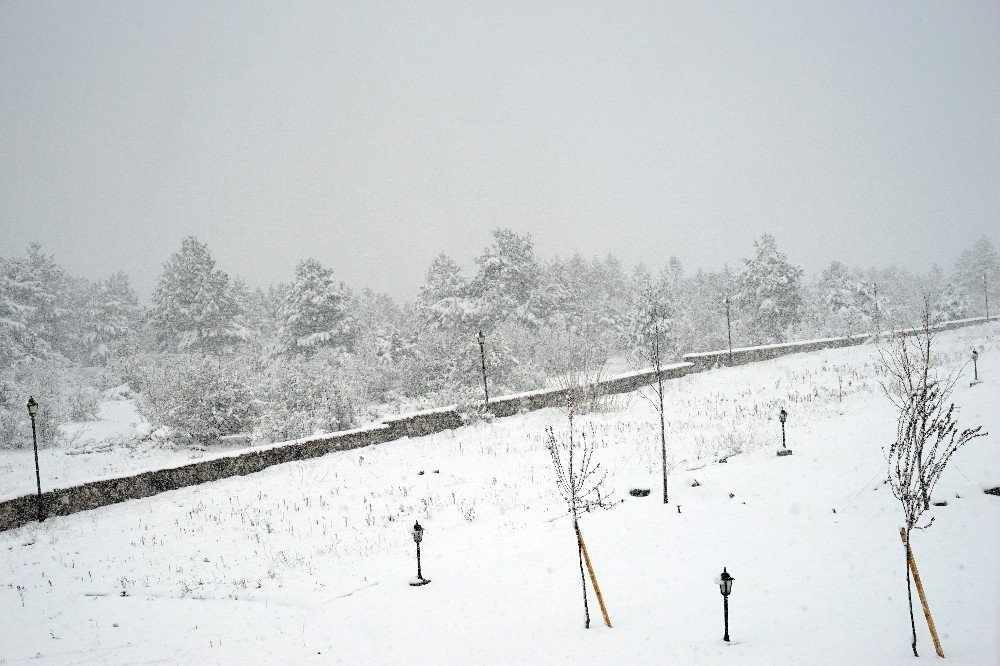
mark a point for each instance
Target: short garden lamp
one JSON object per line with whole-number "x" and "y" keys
{"x": 782, "y": 416}
{"x": 725, "y": 587}
{"x": 975, "y": 364}
{"x": 418, "y": 536}
{"x": 33, "y": 412}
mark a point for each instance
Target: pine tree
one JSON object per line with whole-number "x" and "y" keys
{"x": 314, "y": 311}
{"x": 443, "y": 302}
{"x": 35, "y": 307}
{"x": 48, "y": 293}
{"x": 840, "y": 302}
{"x": 112, "y": 317}
{"x": 507, "y": 284}
{"x": 17, "y": 339}
{"x": 952, "y": 303}
{"x": 977, "y": 271}
{"x": 193, "y": 305}
{"x": 770, "y": 291}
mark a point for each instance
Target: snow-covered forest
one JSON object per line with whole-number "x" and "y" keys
{"x": 209, "y": 359}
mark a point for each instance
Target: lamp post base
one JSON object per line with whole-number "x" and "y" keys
{"x": 417, "y": 582}
{"x": 784, "y": 452}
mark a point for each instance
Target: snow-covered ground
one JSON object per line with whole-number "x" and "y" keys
{"x": 310, "y": 561}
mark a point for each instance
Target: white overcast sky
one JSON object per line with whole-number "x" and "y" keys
{"x": 372, "y": 136}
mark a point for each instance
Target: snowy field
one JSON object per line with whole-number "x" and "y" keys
{"x": 310, "y": 561}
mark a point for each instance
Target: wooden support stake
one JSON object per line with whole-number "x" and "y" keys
{"x": 923, "y": 597}
{"x": 593, "y": 577}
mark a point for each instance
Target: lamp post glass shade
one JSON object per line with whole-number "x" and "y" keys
{"x": 782, "y": 416}
{"x": 417, "y": 532}
{"x": 725, "y": 583}
{"x": 481, "y": 338}
{"x": 32, "y": 407}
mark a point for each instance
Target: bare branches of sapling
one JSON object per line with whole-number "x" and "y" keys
{"x": 927, "y": 436}
{"x": 578, "y": 478}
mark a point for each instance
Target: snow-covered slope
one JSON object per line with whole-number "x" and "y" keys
{"x": 310, "y": 561}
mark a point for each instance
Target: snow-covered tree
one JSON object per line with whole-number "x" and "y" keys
{"x": 17, "y": 338}
{"x": 769, "y": 291}
{"x": 952, "y": 302}
{"x": 112, "y": 317}
{"x": 840, "y": 302}
{"x": 443, "y": 302}
{"x": 506, "y": 286}
{"x": 193, "y": 305}
{"x": 700, "y": 318}
{"x": 378, "y": 346}
{"x": 203, "y": 398}
{"x": 314, "y": 311}
{"x": 979, "y": 262}
{"x": 36, "y": 308}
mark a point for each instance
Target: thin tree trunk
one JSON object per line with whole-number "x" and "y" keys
{"x": 663, "y": 444}
{"x": 658, "y": 366}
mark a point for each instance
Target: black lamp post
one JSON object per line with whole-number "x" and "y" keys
{"x": 418, "y": 535}
{"x": 729, "y": 329}
{"x": 725, "y": 587}
{"x": 975, "y": 365}
{"x": 783, "y": 416}
{"x": 482, "y": 358}
{"x": 33, "y": 412}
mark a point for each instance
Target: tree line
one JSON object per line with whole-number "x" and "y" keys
{"x": 314, "y": 354}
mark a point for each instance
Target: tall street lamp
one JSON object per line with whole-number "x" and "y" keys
{"x": 725, "y": 587}
{"x": 878, "y": 328}
{"x": 418, "y": 535}
{"x": 482, "y": 358}
{"x": 975, "y": 366}
{"x": 729, "y": 329}
{"x": 33, "y": 412}
{"x": 986, "y": 295}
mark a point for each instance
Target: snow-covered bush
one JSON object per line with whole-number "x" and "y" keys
{"x": 300, "y": 397}
{"x": 201, "y": 397}
{"x": 64, "y": 394}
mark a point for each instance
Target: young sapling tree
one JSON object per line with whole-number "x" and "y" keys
{"x": 927, "y": 436}
{"x": 579, "y": 480}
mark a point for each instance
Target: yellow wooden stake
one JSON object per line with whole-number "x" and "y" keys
{"x": 593, "y": 577}
{"x": 923, "y": 597}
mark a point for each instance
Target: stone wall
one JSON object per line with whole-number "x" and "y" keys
{"x": 64, "y": 501}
